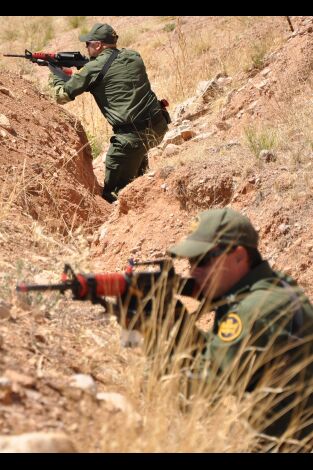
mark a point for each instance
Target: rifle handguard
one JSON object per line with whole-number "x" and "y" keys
{"x": 110, "y": 284}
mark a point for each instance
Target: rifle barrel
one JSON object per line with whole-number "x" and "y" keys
{"x": 14, "y": 55}
{"x": 41, "y": 287}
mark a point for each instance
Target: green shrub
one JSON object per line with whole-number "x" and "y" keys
{"x": 169, "y": 27}
{"x": 259, "y": 51}
{"x": 265, "y": 139}
{"x": 76, "y": 21}
{"x": 95, "y": 143}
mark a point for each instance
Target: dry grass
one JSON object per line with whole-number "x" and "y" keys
{"x": 262, "y": 139}
{"x": 216, "y": 416}
{"x": 76, "y": 21}
{"x": 215, "y": 419}
{"x": 202, "y": 415}
{"x": 34, "y": 33}
{"x": 212, "y": 417}
{"x": 169, "y": 55}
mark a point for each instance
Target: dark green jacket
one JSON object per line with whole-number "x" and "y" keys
{"x": 124, "y": 95}
{"x": 263, "y": 313}
{"x": 262, "y": 341}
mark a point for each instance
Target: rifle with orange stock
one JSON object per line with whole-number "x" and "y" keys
{"x": 55, "y": 61}
{"x": 134, "y": 289}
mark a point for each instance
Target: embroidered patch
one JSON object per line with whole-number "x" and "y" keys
{"x": 230, "y": 328}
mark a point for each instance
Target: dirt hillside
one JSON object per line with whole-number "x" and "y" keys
{"x": 245, "y": 142}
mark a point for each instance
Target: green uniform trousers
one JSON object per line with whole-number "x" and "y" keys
{"x": 127, "y": 156}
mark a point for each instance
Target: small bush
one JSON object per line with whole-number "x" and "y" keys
{"x": 260, "y": 140}
{"x": 76, "y": 21}
{"x": 259, "y": 51}
{"x": 83, "y": 30}
{"x": 169, "y": 27}
{"x": 95, "y": 144}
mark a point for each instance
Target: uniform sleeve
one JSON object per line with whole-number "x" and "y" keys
{"x": 78, "y": 84}
{"x": 249, "y": 336}
{"x": 59, "y": 94}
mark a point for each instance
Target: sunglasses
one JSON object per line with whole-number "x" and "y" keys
{"x": 204, "y": 260}
{"x": 88, "y": 43}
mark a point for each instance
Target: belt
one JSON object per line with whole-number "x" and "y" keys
{"x": 138, "y": 125}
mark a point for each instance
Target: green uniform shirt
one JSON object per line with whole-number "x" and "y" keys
{"x": 262, "y": 341}
{"x": 124, "y": 95}
{"x": 264, "y": 310}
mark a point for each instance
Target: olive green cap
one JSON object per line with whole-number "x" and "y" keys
{"x": 100, "y": 32}
{"x": 214, "y": 227}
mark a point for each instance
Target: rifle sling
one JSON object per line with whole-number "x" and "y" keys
{"x": 104, "y": 70}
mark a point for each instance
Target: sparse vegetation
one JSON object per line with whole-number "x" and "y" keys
{"x": 128, "y": 37}
{"x": 96, "y": 145}
{"x": 8, "y": 34}
{"x": 167, "y": 18}
{"x": 169, "y": 27}
{"x": 201, "y": 44}
{"x": 34, "y": 33}
{"x": 39, "y": 32}
{"x": 260, "y": 139}
{"x": 76, "y": 21}
{"x": 258, "y": 54}
{"x": 83, "y": 30}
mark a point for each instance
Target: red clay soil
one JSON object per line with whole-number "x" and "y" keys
{"x": 45, "y": 159}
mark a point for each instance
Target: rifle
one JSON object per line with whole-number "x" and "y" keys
{"x": 135, "y": 290}
{"x": 55, "y": 61}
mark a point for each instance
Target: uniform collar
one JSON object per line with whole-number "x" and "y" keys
{"x": 106, "y": 50}
{"x": 261, "y": 271}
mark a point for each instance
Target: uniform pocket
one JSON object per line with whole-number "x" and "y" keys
{"x": 125, "y": 142}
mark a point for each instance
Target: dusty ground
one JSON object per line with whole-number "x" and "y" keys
{"x": 52, "y": 212}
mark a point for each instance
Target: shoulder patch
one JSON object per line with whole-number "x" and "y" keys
{"x": 230, "y": 328}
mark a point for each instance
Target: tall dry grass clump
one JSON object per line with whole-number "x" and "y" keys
{"x": 191, "y": 403}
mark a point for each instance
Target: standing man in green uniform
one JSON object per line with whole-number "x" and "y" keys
{"x": 118, "y": 81}
{"x": 263, "y": 323}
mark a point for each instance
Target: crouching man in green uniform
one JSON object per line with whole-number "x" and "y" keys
{"x": 118, "y": 81}
{"x": 262, "y": 336}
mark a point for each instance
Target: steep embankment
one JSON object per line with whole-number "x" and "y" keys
{"x": 45, "y": 160}
{"x": 211, "y": 160}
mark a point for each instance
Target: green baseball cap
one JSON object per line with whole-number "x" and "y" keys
{"x": 214, "y": 227}
{"x": 100, "y": 32}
